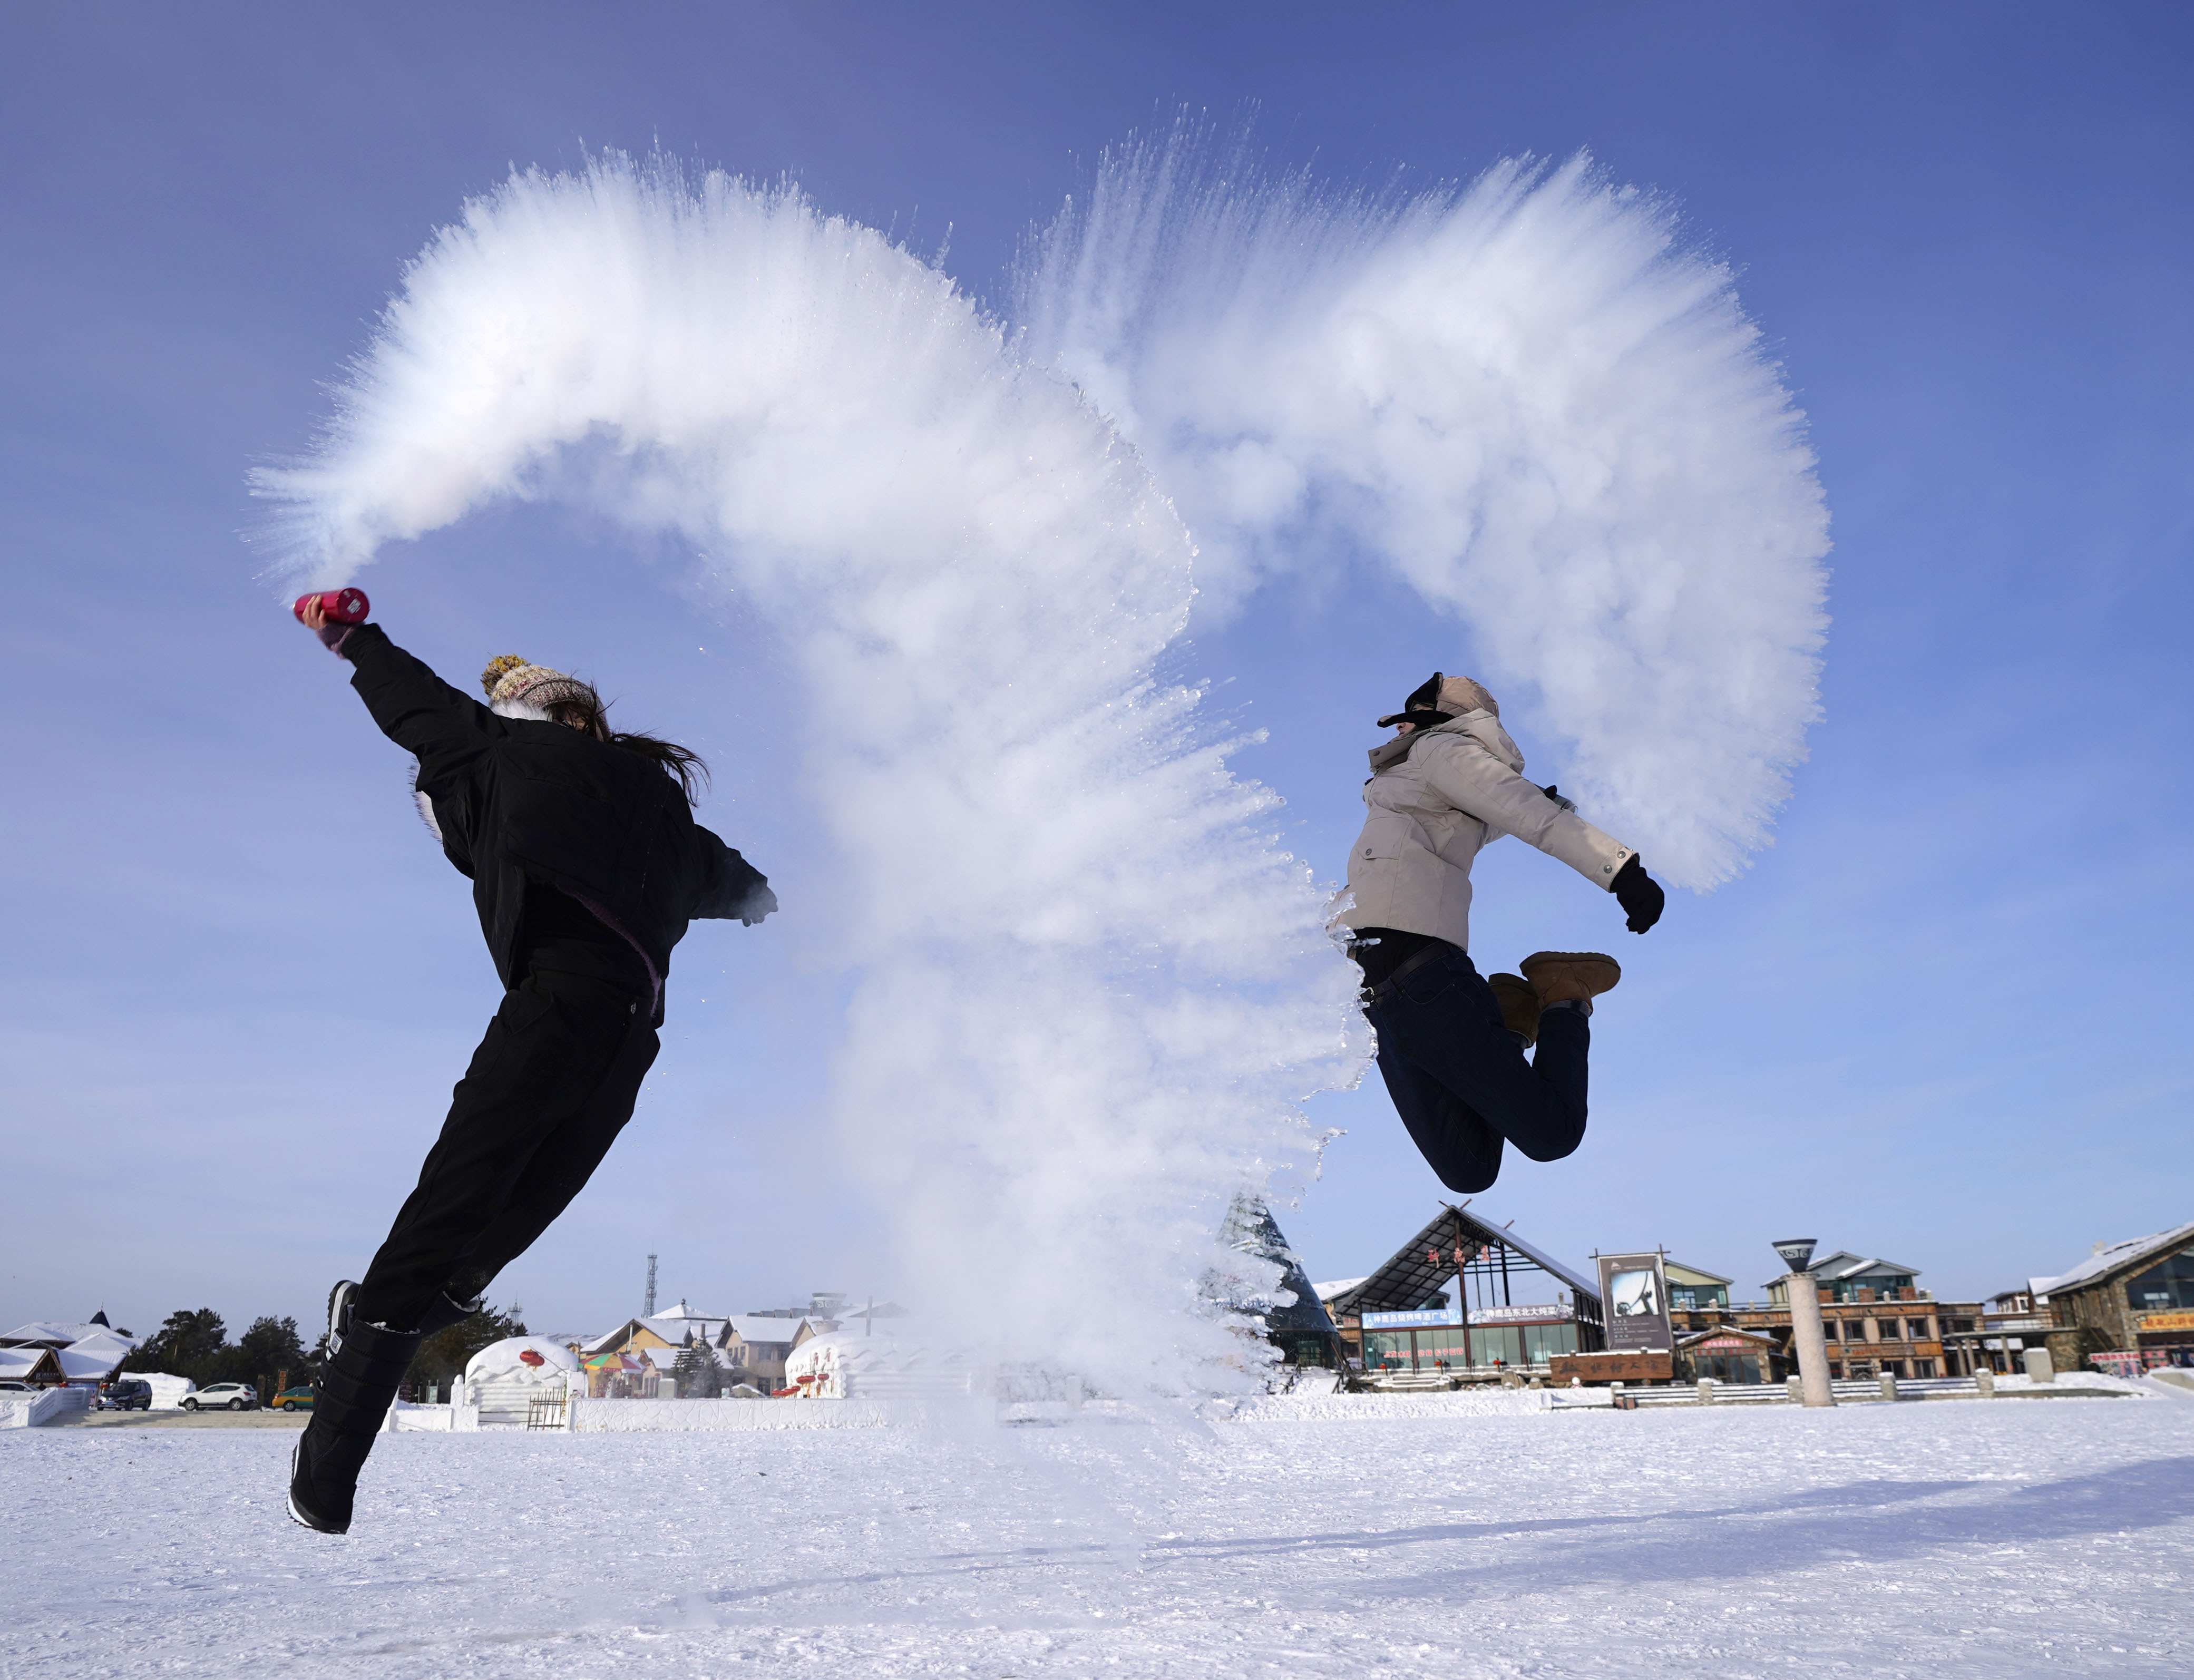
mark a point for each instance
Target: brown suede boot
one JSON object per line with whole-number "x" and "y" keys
{"x": 1520, "y": 1005}
{"x": 1571, "y": 976}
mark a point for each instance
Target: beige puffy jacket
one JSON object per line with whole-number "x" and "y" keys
{"x": 1435, "y": 797}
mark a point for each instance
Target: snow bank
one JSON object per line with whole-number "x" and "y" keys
{"x": 28, "y": 1411}
{"x": 168, "y": 1390}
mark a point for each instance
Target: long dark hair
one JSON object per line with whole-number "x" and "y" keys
{"x": 586, "y": 712}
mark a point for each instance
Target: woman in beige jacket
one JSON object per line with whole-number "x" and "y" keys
{"x": 1451, "y": 1044}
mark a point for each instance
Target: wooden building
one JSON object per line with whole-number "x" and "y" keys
{"x": 2134, "y": 1301}
{"x": 1877, "y": 1319}
{"x": 1727, "y": 1354}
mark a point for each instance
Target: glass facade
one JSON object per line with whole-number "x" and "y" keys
{"x": 1727, "y": 1367}
{"x": 2164, "y": 1289}
{"x": 1444, "y": 1347}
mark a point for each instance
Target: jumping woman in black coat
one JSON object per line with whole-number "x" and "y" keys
{"x": 586, "y": 866}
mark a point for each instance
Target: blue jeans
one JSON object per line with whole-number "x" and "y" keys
{"x": 1459, "y": 1079}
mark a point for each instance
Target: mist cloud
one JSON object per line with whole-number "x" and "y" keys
{"x": 1527, "y": 398}
{"x": 1089, "y": 990}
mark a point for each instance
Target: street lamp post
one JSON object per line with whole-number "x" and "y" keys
{"x": 1807, "y": 1339}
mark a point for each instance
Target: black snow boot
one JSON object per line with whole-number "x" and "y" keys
{"x": 349, "y": 1401}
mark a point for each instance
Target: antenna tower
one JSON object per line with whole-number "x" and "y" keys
{"x": 648, "y": 1311}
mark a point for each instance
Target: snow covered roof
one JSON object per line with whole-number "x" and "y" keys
{"x": 104, "y": 1342}
{"x": 18, "y": 1363}
{"x": 748, "y": 1330}
{"x": 1340, "y": 1286}
{"x": 80, "y": 1362}
{"x": 55, "y": 1333}
{"x": 1679, "y": 1273}
{"x": 673, "y": 1324}
{"x": 1845, "y": 1267}
{"x": 2110, "y": 1258}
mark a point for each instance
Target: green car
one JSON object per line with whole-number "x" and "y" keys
{"x": 294, "y": 1399}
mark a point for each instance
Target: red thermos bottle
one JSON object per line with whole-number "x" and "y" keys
{"x": 342, "y": 606}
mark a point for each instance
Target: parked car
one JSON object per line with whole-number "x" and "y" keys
{"x": 128, "y": 1394}
{"x": 294, "y": 1399}
{"x": 9, "y": 1385}
{"x": 233, "y": 1396}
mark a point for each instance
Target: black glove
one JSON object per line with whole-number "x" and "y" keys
{"x": 1639, "y": 895}
{"x": 759, "y": 903}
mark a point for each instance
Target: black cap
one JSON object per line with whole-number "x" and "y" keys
{"x": 1424, "y": 700}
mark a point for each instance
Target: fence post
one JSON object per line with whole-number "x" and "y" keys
{"x": 1984, "y": 1381}
{"x": 1889, "y": 1385}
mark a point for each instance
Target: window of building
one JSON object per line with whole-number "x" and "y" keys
{"x": 2164, "y": 1288}
{"x": 1891, "y": 1330}
{"x": 1387, "y": 1351}
{"x": 1923, "y": 1367}
{"x": 1922, "y": 1331}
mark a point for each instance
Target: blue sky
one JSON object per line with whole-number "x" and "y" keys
{"x": 1939, "y": 1020}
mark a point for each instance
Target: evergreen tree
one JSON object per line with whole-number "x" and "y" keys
{"x": 270, "y": 1347}
{"x": 188, "y": 1345}
{"x": 698, "y": 1375}
{"x": 443, "y": 1356}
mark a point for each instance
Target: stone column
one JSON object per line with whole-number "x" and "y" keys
{"x": 1807, "y": 1339}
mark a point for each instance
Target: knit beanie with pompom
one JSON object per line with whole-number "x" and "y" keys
{"x": 510, "y": 680}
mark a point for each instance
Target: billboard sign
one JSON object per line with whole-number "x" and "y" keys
{"x": 1634, "y": 1288}
{"x": 1424, "y": 1319}
{"x": 1546, "y": 1312}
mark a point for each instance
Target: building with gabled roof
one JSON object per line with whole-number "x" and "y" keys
{"x": 1464, "y": 1297}
{"x": 759, "y": 1343}
{"x": 76, "y": 1353}
{"x": 2133, "y": 1298}
{"x": 58, "y": 1334}
{"x": 33, "y": 1364}
{"x": 1845, "y": 1276}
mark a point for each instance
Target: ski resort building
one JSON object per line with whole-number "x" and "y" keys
{"x": 1466, "y": 1299}
{"x": 52, "y": 1352}
{"x": 2130, "y": 1305}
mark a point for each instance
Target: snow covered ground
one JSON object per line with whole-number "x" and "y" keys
{"x": 1999, "y": 1537}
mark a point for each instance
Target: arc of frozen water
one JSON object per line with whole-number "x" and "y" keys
{"x": 1091, "y": 991}
{"x": 1527, "y": 397}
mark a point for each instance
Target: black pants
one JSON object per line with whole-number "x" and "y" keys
{"x": 1459, "y": 1079}
{"x": 548, "y": 1090}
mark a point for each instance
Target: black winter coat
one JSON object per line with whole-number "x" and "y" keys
{"x": 518, "y": 800}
